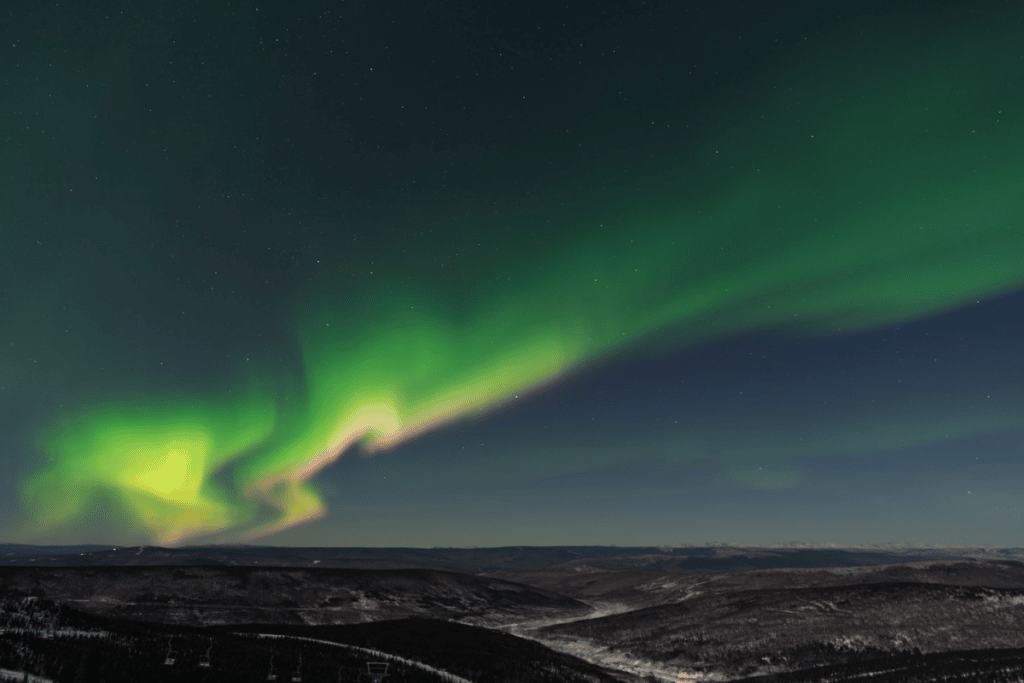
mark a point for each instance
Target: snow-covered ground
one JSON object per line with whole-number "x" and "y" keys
{"x": 451, "y": 678}
{"x": 602, "y": 656}
{"x": 54, "y": 633}
{"x": 8, "y": 675}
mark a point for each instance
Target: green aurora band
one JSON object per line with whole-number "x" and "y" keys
{"x": 814, "y": 208}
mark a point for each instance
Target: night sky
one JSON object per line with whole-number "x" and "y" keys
{"x": 382, "y": 273}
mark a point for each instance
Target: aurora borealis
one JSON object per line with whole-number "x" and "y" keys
{"x": 368, "y": 274}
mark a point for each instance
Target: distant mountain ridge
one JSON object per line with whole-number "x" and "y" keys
{"x": 209, "y": 595}
{"x": 685, "y": 559}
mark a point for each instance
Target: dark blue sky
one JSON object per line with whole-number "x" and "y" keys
{"x": 377, "y": 274}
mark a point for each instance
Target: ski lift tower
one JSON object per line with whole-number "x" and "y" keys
{"x": 271, "y": 676}
{"x": 205, "y": 661}
{"x": 171, "y": 656}
{"x": 297, "y": 676}
{"x": 377, "y": 671}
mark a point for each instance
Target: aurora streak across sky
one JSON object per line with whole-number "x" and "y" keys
{"x": 864, "y": 182}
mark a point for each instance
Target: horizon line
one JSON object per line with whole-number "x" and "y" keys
{"x": 707, "y": 544}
